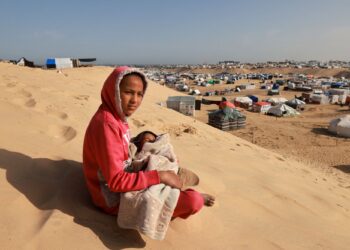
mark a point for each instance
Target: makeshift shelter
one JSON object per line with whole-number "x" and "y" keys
{"x": 59, "y": 63}
{"x": 282, "y": 110}
{"x": 194, "y": 92}
{"x": 83, "y": 62}
{"x": 243, "y": 102}
{"x": 319, "y": 99}
{"x": 261, "y": 107}
{"x": 340, "y": 126}
{"x": 273, "y": 92}
{"x": 182, "y": 104}
{"x": 25, "y": 62}
{"x": 296, "y": 104}
{"x": 276, "y": 100}
{"x": 227, "y": 119}
{"x": 247, "y": 86}
{"x": 253, "y": 98}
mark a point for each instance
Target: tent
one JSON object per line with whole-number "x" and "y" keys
{"x": 59, "y": 63}
{"x": 319, "y": 99}
{"x": 261, "y": 107}
{"x": 25, "y": 62}
{"x": 276, "y": 100}
{"x": 182, "y": 104}
{"x": 253, "y": 98}
{"x": 296, "y": 104}
{"x": 282, "y": 110}
{"x": 340, "y": 126}
{"x": 243, "y": 101}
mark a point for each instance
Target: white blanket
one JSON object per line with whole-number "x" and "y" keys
{"x": 149, "y": 211}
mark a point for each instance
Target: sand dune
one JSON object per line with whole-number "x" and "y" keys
{"x": 263, "y": 200}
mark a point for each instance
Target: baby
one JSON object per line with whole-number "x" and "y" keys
{"x": 142, "y": 138}
{"x": 148, "y": 143}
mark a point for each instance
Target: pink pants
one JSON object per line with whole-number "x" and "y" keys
{"x": 190, "y": 202}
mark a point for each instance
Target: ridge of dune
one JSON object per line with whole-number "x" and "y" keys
{"x": 264, "y": 201}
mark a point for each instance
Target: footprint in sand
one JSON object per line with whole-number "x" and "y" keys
{"x": 138, "y": 123}
{"x": 178, "y": 130}
{"x": 30, "y": 103}
{"x": 82, "y": 97}
{"x": 11, "y": 85}
{"x": 25, "y": 93}
{"x": 56, "y": 113}
{"x": 65, "y": 133}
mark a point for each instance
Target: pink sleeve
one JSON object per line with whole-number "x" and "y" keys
{"x": 110, "y": 158}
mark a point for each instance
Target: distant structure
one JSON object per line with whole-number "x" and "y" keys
{"x": 61, "y": 63}
{"x": 229, "y": 62}
{"x": 24, "y": 62}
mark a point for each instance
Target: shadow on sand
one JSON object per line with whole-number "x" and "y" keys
{"x": 322, "y": 131}
{"x": 50, "y": 184}
{"x": 344, "y": 168}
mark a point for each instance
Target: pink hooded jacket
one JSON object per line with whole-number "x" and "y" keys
{"x": 105, "y": 150}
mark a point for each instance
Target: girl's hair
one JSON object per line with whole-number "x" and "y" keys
{"x": 139, "y": 75}
{"x": 137, "y": 140}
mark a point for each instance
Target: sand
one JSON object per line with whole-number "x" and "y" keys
{"x": 264, "y": 199}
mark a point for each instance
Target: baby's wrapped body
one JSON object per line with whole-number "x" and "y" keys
{"x": 146, "y": 144}
{"x": 159, "y": 147}
{"x": 151, "y": 210}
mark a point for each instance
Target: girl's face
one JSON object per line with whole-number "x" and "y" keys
{"x": 131, "y": 93}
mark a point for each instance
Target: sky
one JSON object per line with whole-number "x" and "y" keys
{"x": 175, "y": 32}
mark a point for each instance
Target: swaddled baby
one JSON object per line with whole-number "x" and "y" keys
{"x": 148, "y": 143}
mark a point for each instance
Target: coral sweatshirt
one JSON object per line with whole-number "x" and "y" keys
{"x": 105, "y": 150}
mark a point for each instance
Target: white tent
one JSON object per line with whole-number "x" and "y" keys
{"x": 62, "y": 63}
{"x": 340, "y": 126}
{"x": 296, "y": 101}
{"x": 243, "y": 99}
{"x": 276, "y": 100}
{"x": 282, "y": 110}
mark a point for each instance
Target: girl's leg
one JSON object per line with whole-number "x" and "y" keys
{"x": 190, "y": 202}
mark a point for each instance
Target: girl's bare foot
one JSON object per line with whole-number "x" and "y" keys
{"x": 209, "y": 200}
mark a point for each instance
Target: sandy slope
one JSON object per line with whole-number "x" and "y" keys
{"x": 263, "y": 200}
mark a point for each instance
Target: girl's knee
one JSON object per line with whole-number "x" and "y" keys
{"x": 196, "y": 202}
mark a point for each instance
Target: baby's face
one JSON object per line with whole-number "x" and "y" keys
{"x": 147, "y": 138}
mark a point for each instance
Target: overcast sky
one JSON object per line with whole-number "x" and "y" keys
{"x": 177, "y": 31}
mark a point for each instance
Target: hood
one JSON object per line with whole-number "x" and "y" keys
{"x": 110, "y": 93}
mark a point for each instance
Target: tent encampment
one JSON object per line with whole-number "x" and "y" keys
{"x": 340, "y": 126}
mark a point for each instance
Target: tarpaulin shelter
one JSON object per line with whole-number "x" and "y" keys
{"x": 261, "y": 107}
{"x": 340, "y": 126}
{"x": 276, "y": 100}
{"x": 243, "y": 101}
{"x": 296, "y": 104}
{"x": 282, "y": 110}
{"x": 253, "y": 98}
{"x": 227, "y": 119}
{"x": 24, "y": 62}
{"x": 59, "y": 63}
{"x": 182, "y": 104}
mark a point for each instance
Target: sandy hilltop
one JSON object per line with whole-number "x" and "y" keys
{"x": 264, "y": 200}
